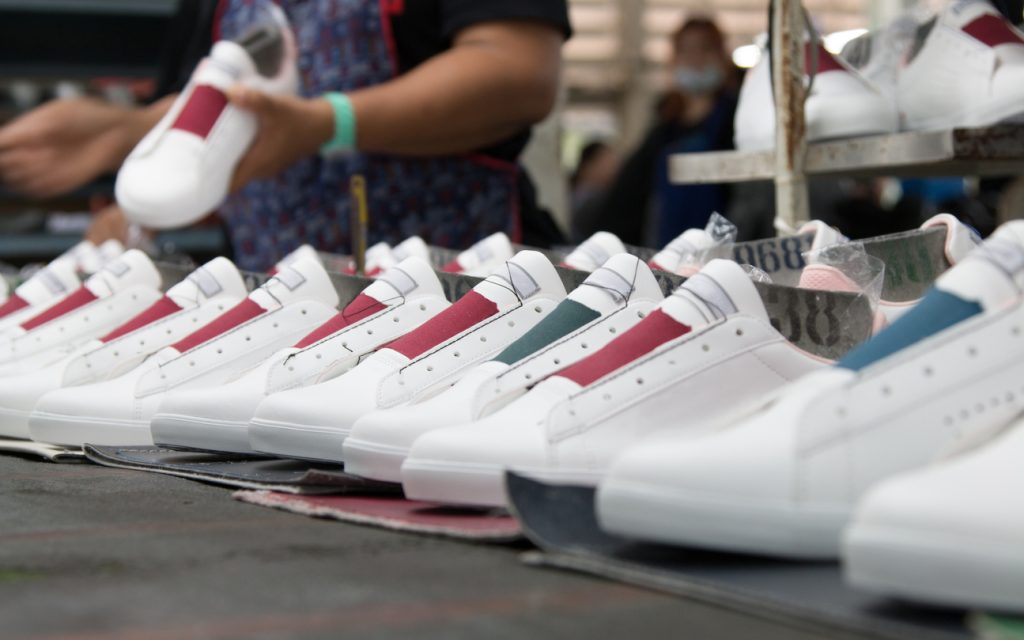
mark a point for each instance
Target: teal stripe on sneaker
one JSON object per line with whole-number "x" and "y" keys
{"x": 567, "y": 317}
{"x": 937, "y": 311}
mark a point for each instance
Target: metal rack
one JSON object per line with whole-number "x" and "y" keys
{"x": 997, "y": 150}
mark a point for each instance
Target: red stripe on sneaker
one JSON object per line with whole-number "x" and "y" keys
{"x": 653, "y": 331}
{"x": 242, "y": 312}
{"x": 993, "y": 31}
{"x": 201, "y": 111}
{"x": 14, "y": 303}
{"x": 826, "y": 61}
{"x": 362, "y": 307}
{"x": 471, "y": 309}
{"x": 159, "y": 309}
{"x": 452, "y": 267}
{"x": 78, "y": 298}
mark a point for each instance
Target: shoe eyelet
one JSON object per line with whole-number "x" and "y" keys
{"x": 607, "y": 397}
{"x": 511, "y": 323}
{"x": 291, "y": 368}
{"x": 423, "y": 307}
{"x": 928, "y": 371}
{"x": 344, "y": 345}
{"x": 739, "y": 332}
{"x": 639, "y": 380}
{"x": 318, "y": 356}
{"x": 705, "y": 348}
{"x": 192, "y": 363}
{"x": 117, "y": 353}
{"x": 972, "y": 352}
{"x": 430, "y": 368}
{"x": 168, "y": 332}
{"x": 671, "y": 363}
{"x": 1015, "y": 331}
{"x": 611, "y": 330}
{"x": 537, "y": 309}
{"x": 583, "y": 345}
{"x": 483, "y": 338}
{"x": 529, "y": 376}
{"x": 248, "y": 339}
{"x": 219, "y": 350}
{"x": 395, "y": 319}
{"x": 886, "y": 390}
{"x": 369, "y": 332}
{"x": 557, "y": 361}
{"x": 456, "y": 354}
{"x": 640, "y": 314}
{"x": 275, "y": 325}
{"x": 303, "y": 311}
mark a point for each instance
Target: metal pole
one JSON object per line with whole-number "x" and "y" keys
{"x": 791, "y": 200}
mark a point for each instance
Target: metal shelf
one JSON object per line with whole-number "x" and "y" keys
{"x": 997, "y": 150}
{"x": 16, "y": 247}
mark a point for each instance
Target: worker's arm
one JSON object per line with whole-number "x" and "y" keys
{"x": 66, "y": 143}
{"x": 497, "y": 79}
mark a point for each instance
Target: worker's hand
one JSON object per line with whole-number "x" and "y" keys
{"x": 291, "y": 128}
{"x": 62, "y": 145}
{"x": 108, "y": 223}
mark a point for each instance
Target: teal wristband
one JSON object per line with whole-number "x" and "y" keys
{"x": 344, "y": 140}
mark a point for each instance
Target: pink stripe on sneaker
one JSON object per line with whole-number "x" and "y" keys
{"x": 362, "y": 307}
{"x": 159, "y": 309}
{"x": 652, "y": 332}
{"x": 78, "y": 298}
{"x": 452, "y": 267}
{"x": 471, "y": 309}
{"x": 201, "y": 111}
{"x": 240, "y": 313}
{"x": 14, "y": 303}
{"x": 993, "y": 31}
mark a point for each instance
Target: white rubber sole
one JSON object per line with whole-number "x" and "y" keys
{"x": 174, "y": 431}
{"x": 668, "y": 515}
{"x": 14, "y": 424}
{"x": 927, "y": 566}
{"x": 77, "y": 431}
{"x": 473, "y": 484}
{"x": 373, "y": 460}
{"x": 287, "y": 440}
{"x": 1005, "y": 111}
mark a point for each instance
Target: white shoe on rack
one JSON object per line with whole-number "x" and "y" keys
{"x": 708, "y": 347}
{"x": 594, "y": 252}
{"x": 197, "y": 299}
{"x": 483, "y": 257}
{"x": 841, "y": 104}
{"x": 968, "y": 70}
{"x": 610, "y": 301}
{"x": 314, "y": 421}
{"x": 288, "y": 306}
{"x": 783, "y": 478}
{"x": 217, "y": 417}
{"x": 947, "y": 534}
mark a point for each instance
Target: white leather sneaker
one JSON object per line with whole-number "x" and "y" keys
{"x": 118, "y": 412}
{"x": 842, "y": 104}
{"x": 43, "y": 289}
{"x": 783, "y": 479}
{"x": 382, "y": 256}
{"x": 181, "y": 170}
{"x": 108, "y": 298}
{"x": 431, "y": 358}
{"x": 483, "y": 257}
{"x": 594, "y": 252}
{"x": 684, "y": 251}
{"x": 198, "y": 298}
{"x": 967, "y": 72}
{"x": 217, "y": 418}
{"x": 713, "y": 334}
{"x": 609, "y": 302}
{"x": 946, "y": 535}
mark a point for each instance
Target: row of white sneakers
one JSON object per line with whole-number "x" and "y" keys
{"x": 961, "y": 68}
{"x": 903, "y": 458}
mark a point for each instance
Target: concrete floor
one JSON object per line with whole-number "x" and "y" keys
{"x": 88, "y": 552}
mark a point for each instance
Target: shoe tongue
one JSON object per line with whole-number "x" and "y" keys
{"x": 619, "y": 280}
{"x": 993, "y": 274}
{"x": 215, "y": 278}
{"x": 960, "y": 239}
{"x": 722, "y": 288}
{"x": 691, "y": 242}
{"x": 53, "y": 281}
{"x": 110, "y": 250}
{"x": 304, "y": 279}
{"x": 227, "y": 64}
{"x": 594, "y": 252}
{"x": 527, "y": 274}
{"x": 305, "y": 251}
{"x": 411, "y": 276}
{"x": 85, "y": 256}
{"x": 493, "y": 248}
{"x": 824, "y": 235}
{"x": 414, "y": 246}
{"x": 132, "y": 269}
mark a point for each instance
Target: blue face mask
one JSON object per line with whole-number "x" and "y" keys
{"x": 698, "y": 81}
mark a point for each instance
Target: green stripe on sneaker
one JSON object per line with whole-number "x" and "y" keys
{"x": 568, "y": 316}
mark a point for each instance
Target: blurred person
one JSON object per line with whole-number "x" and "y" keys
{"x": 442, "y": 95}
{"x": 596, "y": 169}
{"x": 642, "y": 206}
